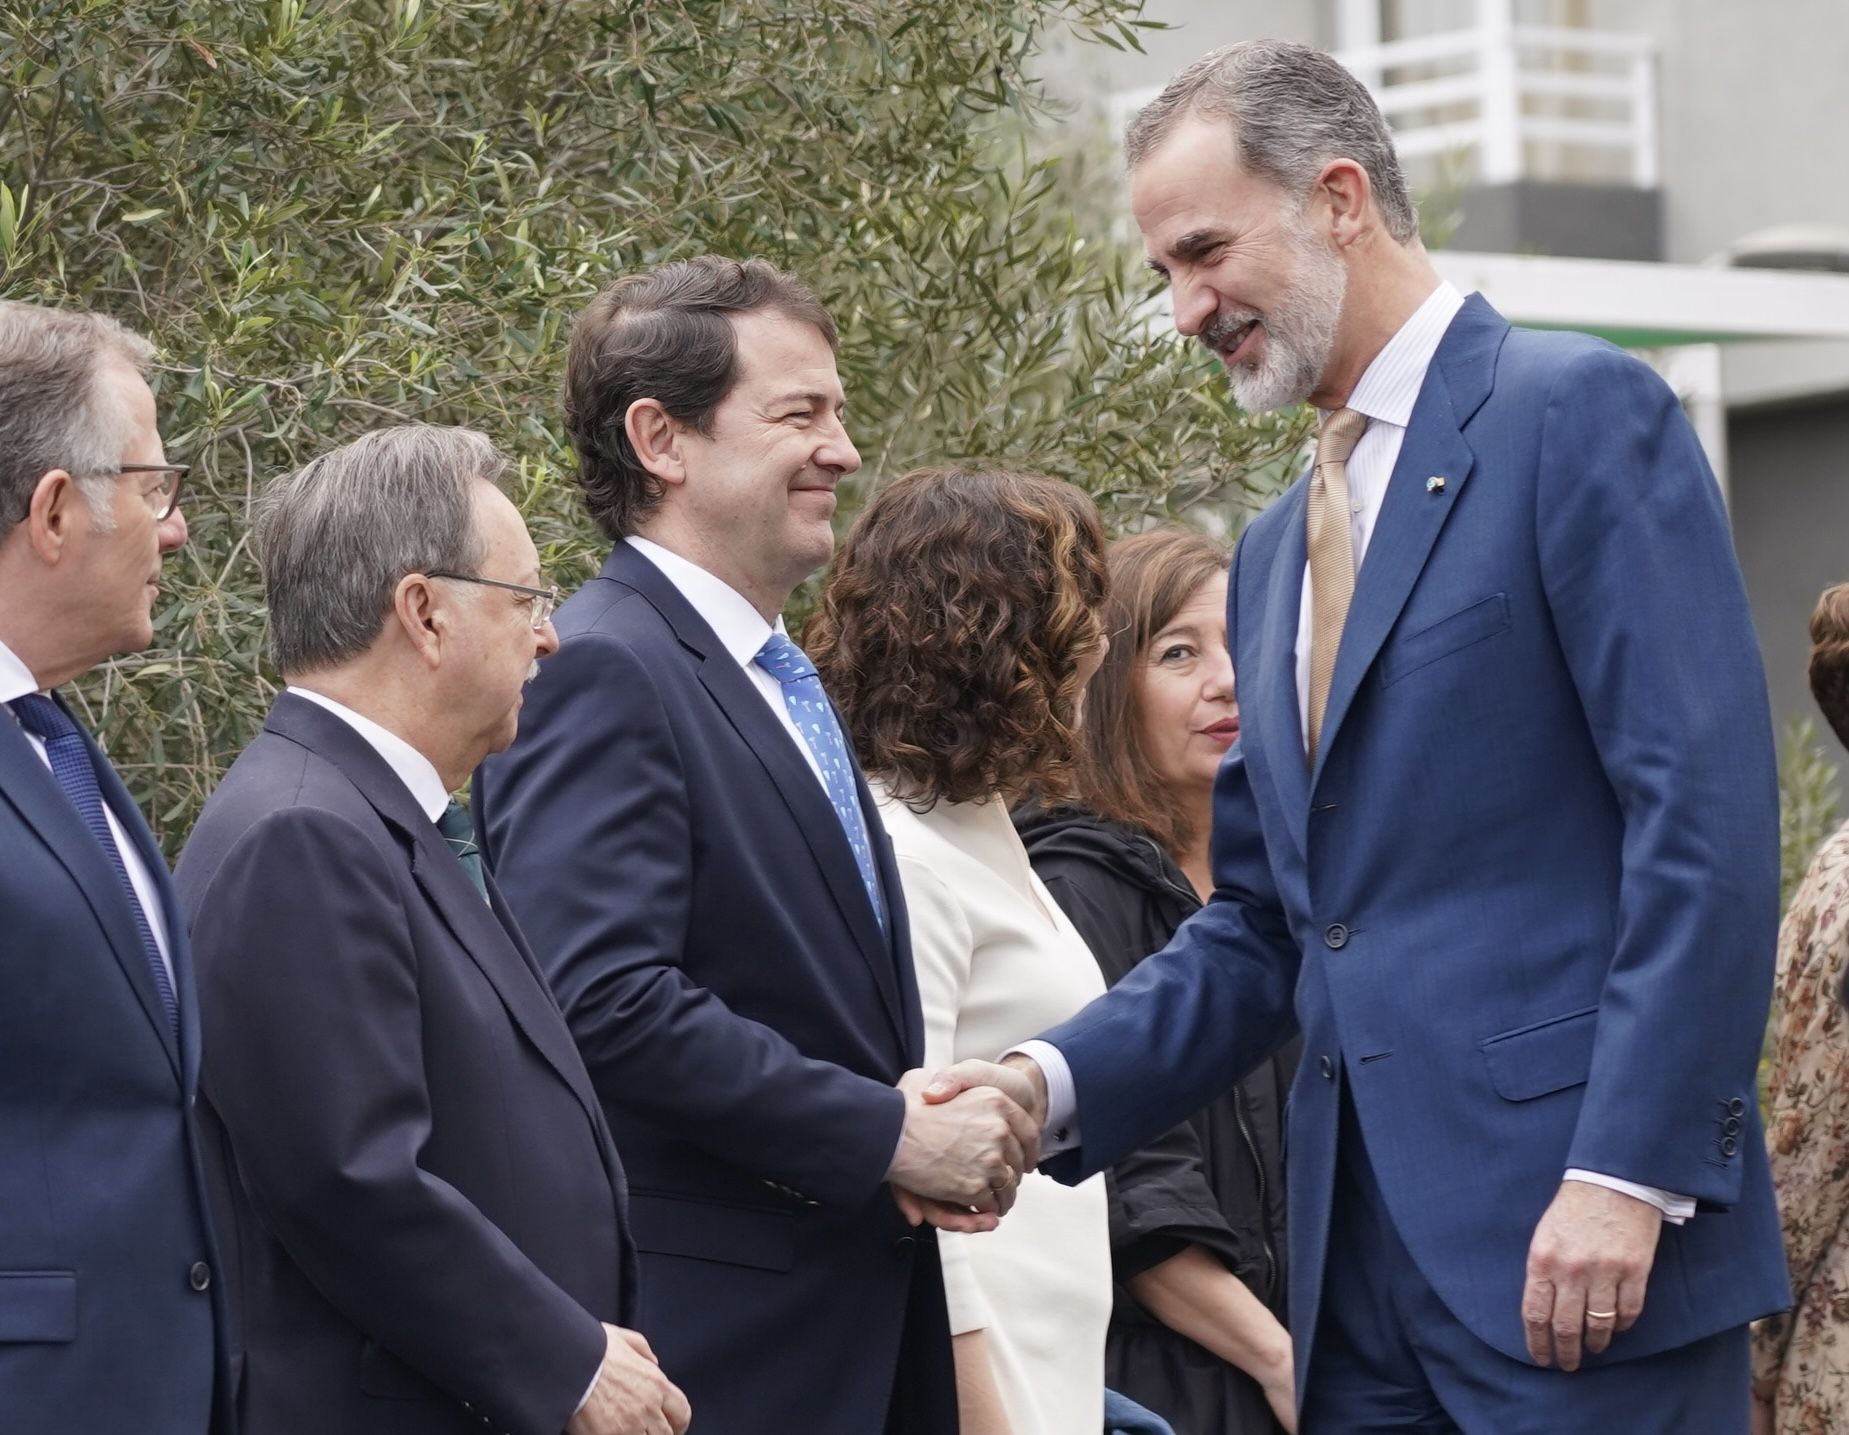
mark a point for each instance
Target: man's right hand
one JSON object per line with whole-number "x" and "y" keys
{"x": 966, "y": 1154}
{"x": 631, "y": 1396}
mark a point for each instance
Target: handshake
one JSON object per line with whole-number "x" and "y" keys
{"x": 971, "y": 1132}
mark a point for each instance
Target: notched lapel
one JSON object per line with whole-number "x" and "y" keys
{"x": 1277, "y": 721}
{"x": 815, "y": 816}
{"x": 1409, "y": 523}
{"x": 29, "y": 786}
{"x": 478, "y": 929}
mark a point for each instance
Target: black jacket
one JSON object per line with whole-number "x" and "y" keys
{"x": 1217, "y": 1182}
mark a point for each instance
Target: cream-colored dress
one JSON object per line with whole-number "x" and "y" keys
{"x": 998, "y": 962}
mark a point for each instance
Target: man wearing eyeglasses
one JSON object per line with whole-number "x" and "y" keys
{"x": 110, "y": 1301}
{"x": 430, "y": 1216}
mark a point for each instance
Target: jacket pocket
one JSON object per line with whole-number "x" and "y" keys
{"x": 38, "y": 1306}
{"x": 1482, "y": 619}
{"x": 712, "y": 1231}
{"x": 1547, "y": 1056}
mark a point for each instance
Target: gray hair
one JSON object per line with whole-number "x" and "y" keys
{"x": 52, "y": 409}
{"x": 335, "y": 537}
{"x": 1293, "y": 110}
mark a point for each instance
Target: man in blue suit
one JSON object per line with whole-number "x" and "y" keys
{"x": 1500, "y": 835}
{"x": 110, "y": 1297}
{"x": 686, "y": 837}
{"x": 428, "y": 1209}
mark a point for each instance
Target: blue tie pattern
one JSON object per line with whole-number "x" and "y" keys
{"x": 70, "y": 764}
{"x": 809, "y": 709}
{"x": 458, "y": 831}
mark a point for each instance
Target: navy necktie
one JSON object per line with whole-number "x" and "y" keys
{"x": 70, "y": 764}
{"x": 459, "y": 831}
{"x": 809, "y": 709}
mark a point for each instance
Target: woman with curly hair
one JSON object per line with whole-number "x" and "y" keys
{"x": 957, "y": 631}
{"x": 1801, "y": 1358}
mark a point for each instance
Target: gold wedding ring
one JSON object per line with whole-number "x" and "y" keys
{"x": 1601, "y": 1315}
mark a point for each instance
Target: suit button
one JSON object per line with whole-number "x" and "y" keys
{"x": 200, "y": 1276}
{"x": 904, "y": 1244}
{"x": 1327, "y": 1067}
{"x": 1731, "y": 1126}
{"x": 1729, "y": 1145}
{"x": 1335, "y": 936}
{"x": 1736, "y": 1107}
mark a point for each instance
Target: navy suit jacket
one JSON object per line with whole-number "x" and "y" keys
{"x": 427, "y": 1207}
{"x": 694, "y": 900}
{"x": 1525, "y": 905}
{"x": 110, "y": 1306}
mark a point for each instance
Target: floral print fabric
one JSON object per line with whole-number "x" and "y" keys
{"x": 1806, "y": 1351}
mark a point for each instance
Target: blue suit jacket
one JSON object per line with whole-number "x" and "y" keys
{"x": 427, "y": 1207}
{"x": 104, "y": 1234}
{"x": 694, "y": 901}
{"x": 1525, "y": 905}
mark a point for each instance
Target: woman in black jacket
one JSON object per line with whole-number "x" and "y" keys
{"x": 1197, "y": 1219}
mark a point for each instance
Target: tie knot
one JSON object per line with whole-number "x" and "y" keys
{"x": 1341, "y": 431}
{"x": 783, "y": 660}
{"x": 455, "y": 824}
{"x": 43, "y": 718}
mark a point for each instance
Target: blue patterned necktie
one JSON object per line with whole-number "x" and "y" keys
{"x": 459, "y": 832}
{"x": 809, "y": 709}
{"x": 70, "y": 764}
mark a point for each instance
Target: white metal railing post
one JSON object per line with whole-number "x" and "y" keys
{"x": 1645, "y": 130}
{"x": 1501, "y": 102}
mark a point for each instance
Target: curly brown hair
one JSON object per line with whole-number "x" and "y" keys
{"x": 1153, "y": 576}
{"x": 1829, "y": 658}
{"x": 951, "y": 630}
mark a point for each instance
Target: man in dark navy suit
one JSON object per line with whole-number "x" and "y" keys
{"x": 685, "y": 835}
{"x": 428, "y": 1208}
{"x": 1501, "y": 831}
{"x": 110, "y": 1296}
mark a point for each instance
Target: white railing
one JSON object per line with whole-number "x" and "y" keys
{"x": 1479, "y": 104}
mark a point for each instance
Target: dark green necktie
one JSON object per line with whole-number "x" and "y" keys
{"x": 459, "y": 832}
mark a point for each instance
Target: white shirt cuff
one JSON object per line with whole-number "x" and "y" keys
{"x": 1062, "y": 1102}
{"x": 589, "y": 1390}
{"x": 1676, "y": 1209}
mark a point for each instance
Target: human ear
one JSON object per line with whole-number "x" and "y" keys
{"x": 56, "y": 511}
{"x": 656, "y": 438}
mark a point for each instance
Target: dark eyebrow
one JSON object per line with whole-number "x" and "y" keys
{"x": 1156, "y": 266}
{"x": 1196, "y": 243}
{"x": 815, "y": 397}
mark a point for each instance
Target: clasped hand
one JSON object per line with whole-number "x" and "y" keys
{"x": 968, "y": 1139}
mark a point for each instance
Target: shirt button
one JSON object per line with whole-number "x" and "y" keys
{"x": 1335, "y": 936}
{"x": 200, "y": 1276}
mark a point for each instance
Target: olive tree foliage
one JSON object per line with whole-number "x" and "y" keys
{"x": 331, "y": 216}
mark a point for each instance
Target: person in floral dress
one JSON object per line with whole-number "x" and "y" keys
{"x": 1801, "y": 1358}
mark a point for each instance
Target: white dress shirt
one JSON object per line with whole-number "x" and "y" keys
{"x": 16, "y": 681}
{"x": 1386, "y": 393}
{"x": 740, "y": 628}
{"x": 414, "y": 770}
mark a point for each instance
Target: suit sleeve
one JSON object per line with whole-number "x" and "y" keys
{"x": 943, "y": 949}
{"x": 1651, "y": 616}
{"x": 1160, "y": 1198}
{"x": 1199, "y": 1015}
{"x": 308, "y": 987}
{"x": 588, "y": 828}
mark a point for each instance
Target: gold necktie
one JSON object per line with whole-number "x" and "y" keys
{"x": 1332, "y": 557}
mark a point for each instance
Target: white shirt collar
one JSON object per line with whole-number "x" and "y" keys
{"x": 16, "y": 678}
{"x": 414, "y": 770}
{"x": 740, "y": 628}
{"x": 1390, "y": 385}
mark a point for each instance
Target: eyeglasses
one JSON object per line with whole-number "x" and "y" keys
{"x": 541, "y": 600}
{"x": 165, "y": 497}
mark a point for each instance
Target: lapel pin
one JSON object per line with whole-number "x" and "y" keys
{"x": 1435, "y": 484}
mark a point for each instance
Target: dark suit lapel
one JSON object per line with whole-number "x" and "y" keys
{"x": 1274, "y": 717}
{"x": 743, "y": 706}
{"x": 179, "y": 948}
{"x": 439, "y": 875}
{"x": 1411, "y": 515}
{"x": 28, "y": 785}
